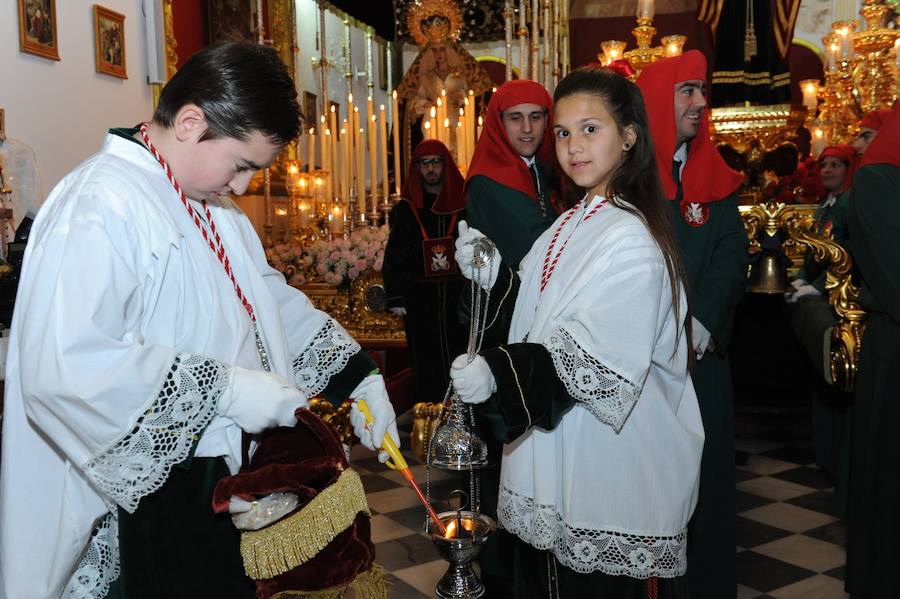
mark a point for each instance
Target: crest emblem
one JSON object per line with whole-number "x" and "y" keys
{"x": 438, "y": 256}
{"x": 694, "y": 213}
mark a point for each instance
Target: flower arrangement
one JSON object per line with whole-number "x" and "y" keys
{"x": 336, "y": 262}
{"x": 803, "y": 186}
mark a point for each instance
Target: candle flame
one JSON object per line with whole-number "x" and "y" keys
{"x": 394, "y": 94}
{"x": 322, "y": 119}
{"x": 451, "y": 530}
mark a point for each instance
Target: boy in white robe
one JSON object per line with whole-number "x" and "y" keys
{"x": 149, "y": 335}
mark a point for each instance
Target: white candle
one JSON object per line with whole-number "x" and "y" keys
{"x": 382, "y": 130}
{"x": 311, "y": 150}
{"x": 645, "y": 9}
{"x": 395, "y": 128}
{"x": 373, "y": 161}
{"x": 809, "y": 88}
{"x": 818, "y": 142}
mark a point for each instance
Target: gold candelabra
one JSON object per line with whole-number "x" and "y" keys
{"x": 645, "y": 53}
{"x": 862, "y": 73}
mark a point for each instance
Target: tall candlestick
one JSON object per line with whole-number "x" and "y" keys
{"x": 461, "y": 149}
{"x": 441, "y": 114}
{"x": 333, "y": 177}
{"x": 345, "y": 166}
{"x": 373, "y": 161}
{"x": 507, "y": 37}
{"x": 360, "y": 174}
{"x": 311, "y": 150}
{"x": 480, "y": 126}
{"x": 395, "y": 130}
{"x": 382, "y": 130}
{"x": 548, "y": 34}
{"x": 523, "y": 33}
{"x": 327, "y": 142}
{"x": 432, "y": 120}
{"x": 470, "y": 122}
{"x": 556, "y": 69}
{"x": 535, "y": 40}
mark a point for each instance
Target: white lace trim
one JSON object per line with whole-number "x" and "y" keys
{"x": 139, "y": 463}
{"x": 607, "y": 395}
{"x": 328, "y": 353}
{"x": 100, "y": 565}
{"x": 586, "y": 550}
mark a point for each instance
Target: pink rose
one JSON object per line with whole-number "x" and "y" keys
{"x": 378, "y": 263}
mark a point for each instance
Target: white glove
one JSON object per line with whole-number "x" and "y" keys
{"x": 465, "y": 250}
{"x": 473, "y": 381}
{"x": 803, "y": 291}
{"x": 384, "y": 420}
{"x": 257, "y": 400}
{"x": 701, "y": 337}
{"x": 399, "y": 311}
{"x": 798, "y": 283}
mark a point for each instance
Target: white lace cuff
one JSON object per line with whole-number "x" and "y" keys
{"x": 586, "y": 550}
{"x": 326, "y": 355}
{"x": 99, "y": 566}
{"x": 139, "y": 463}
{"x": 604, "y": 393}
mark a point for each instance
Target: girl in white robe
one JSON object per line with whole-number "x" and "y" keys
{"x": 590, "y": 388}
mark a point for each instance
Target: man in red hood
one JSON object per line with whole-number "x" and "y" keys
{"x": 702, "y": 190}
{"x": 420, "y": 275}
{"x": 874, "y": 220}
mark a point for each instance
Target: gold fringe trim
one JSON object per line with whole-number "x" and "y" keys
{"x": 297, "y": 539}
{"x": 368, "y": 585}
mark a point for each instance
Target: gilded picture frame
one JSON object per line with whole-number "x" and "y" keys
{"x": 37, "y": 28}
{"x": 109, "y": 42}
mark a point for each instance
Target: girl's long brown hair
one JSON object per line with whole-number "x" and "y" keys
{"x": 636, "y": 179}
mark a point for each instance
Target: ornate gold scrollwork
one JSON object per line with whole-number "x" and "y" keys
{"x": 337, "y": 416}
{"x": 425, "y": 418}
{"x": 843, "y": 295}
{"x": 358, "y": 311}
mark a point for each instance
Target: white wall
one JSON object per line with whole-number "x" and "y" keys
{"x": 62, "y": 109}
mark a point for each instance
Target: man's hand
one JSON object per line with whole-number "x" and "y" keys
{"x": 257, "y": 400}
{"x": 372, "y": 390}
{"x": 702, "y": 338}
{"x": 803, "y": 291}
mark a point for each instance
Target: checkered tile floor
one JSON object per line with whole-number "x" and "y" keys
{"x": 790, "y": 544}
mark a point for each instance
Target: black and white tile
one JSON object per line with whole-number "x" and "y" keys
{"x": 790, "y": 543}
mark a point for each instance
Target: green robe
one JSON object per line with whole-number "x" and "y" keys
{"x": 715, "y": 259}
{"x": 833, "y": 219}
{"x": 874, "y": 519}
{"x": 511, "y": 219}
{"x": 811, "y": 317}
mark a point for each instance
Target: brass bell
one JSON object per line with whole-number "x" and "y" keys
{"x": 769, "y": 275}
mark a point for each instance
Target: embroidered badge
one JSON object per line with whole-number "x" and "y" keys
{"x": 438, "y": 255}
{"x": 694, "y": 213}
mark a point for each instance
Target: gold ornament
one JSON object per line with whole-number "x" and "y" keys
{"x": 432, "y": 21}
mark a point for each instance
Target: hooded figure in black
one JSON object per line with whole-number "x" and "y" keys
{"x": 420, "y": 274}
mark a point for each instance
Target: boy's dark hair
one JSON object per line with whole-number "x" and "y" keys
{"x": 240, "y": 87}
{"x": 636, "y": 179}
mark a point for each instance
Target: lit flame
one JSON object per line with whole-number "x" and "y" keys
{"x": 451, "y": 530}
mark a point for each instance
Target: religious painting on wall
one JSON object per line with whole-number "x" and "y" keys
{"x": 109, "y": 42}
{"x": 231, "y": 20}
{"x": 37, "y": 28}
